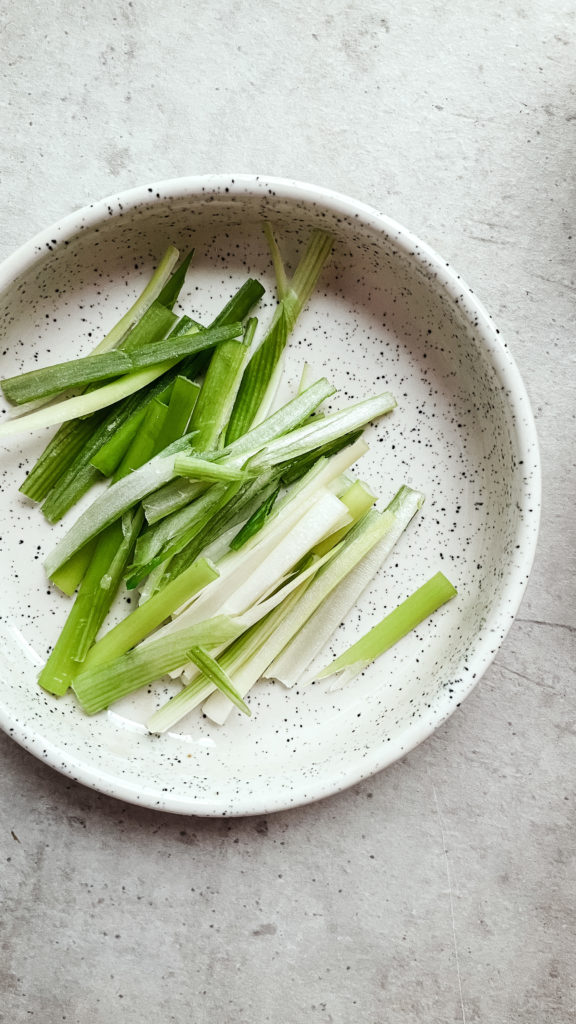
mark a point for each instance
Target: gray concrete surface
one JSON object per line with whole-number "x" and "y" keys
{"x": 444, "y": 889}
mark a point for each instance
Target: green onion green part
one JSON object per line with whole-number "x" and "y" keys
{"x": 419, "y": 606}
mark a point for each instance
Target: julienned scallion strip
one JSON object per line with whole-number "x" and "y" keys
{"x": 97, "y": 591}
{"x": 53, "y": 380}
{"x": 80, "y": 372}
{"x": 290, "y": 665}
{"x": 111, "y": 504}
{"x": 256, "y": 521}
{"x": 219, "y": 389}
{"x": 71, "y": 483}
{"x": 250, "y": 647}
{"x": 173, "y": 497}
{"x": 148, "y": 616}
{"x": 360, "y": 540}
{"x": 69, "y": 439}
{"x": 152, "y": 291}
{"x": 148, "y": 364}
{"x": 98, "y": 687}
{"x": 215, "y": 674}
{"x": 293, "y": 297}
{"x": 58, "y": 464}
{"x": 114, "y": 445}
{"x": 58, "y": 455}
{"x": 421, "y": 604}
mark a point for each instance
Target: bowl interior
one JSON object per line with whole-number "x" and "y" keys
{"x": 384, "y": 317}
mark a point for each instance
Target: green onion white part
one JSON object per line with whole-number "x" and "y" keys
{"x": 291, "y": 664}
{"x": 356, "y": 545}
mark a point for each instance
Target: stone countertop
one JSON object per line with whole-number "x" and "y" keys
{"x": 442, "y": 890}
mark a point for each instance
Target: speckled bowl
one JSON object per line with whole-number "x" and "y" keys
{"x": 389, "y": 314}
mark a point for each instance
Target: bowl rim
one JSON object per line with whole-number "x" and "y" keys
{"x": 501, "y": 616}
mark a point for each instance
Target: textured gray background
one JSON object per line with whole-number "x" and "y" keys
{"x": 444, "y": 889}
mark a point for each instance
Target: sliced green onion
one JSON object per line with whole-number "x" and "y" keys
{"x": 68, "y": 578}
{"x": 179, "y": 493}
{"x": 148, "y": 368}
{"x": 101, "y": 686}
{"x": 113, "y": 503}
{"x": 180, "y": 407}
{"x": 151, "y": 292}
{"x": 176, "y": 347}
{"x": 317, "y": 433}
{"x": 291, "y": 664}
{"x": 109, "y": 455}
{"x": 144, "y": 444}
{"x": 202, "y": 469}
{"x": 248, "y": 647}
{"x": 156, "y": 323}
{"x": 171, "y": 535}
{"x": 69, "y": 439}
{"x": 240, "y": 304}
{"x": 294, "y": 297}
{"x": 97, "y": 590}
{"x": 422, "y": 603}
{"x": 147, "y": 617}
{"x": 51, "y": 380}
{"x": 171, "y": 290}
{"x": 256, "y": 521}
{"x": 361, "y": 539}
{"x": 216, "y": 675}
{"x": 219, "y": 390}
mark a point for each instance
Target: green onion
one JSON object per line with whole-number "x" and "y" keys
{"x": 240, "y": 304}
{"x": 250, "y": 647}
{"x": 256, "y": 521}
{"x": 72, "y": 572}
{"x": 156, "y": 323}
{"x": 97, "y": 591}
{"x": 145, "y": 443}
{"x": 62, "y": 376}
{"x": 183, "y": 398}
{"x": 171, "y": 290}
{"x": 216, "y": 675}
{"x": 150, "y": 363}
{"x": 293, "y": 298}
{"x": 320, "y": 432}
{"x": 113, "y": 503}
{"x": 151, "y": 292}
{"x": 219, "y": 390}
{"x": 178, "y": 494}
{"x": 69, "y": 439}
{"x": 292, "y": 662}
{"x": 101, "y": 686}
{"x": 58, "y": 455}
{"x": 109, "y": 455}
{"x": 147, "y": 617}
{"x": 170, "y": 536}
{"x": 176, "y": 347}
{"x": 422, "y": 603}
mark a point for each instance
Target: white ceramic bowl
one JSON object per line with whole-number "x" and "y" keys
{"x": 389, "y": 313}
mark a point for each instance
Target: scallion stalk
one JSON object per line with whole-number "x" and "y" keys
{"x": 295, "y": 295}
{"x": 393, "y": 627}
{"x": 215, "y": 674}
{"x": 147, "y": 617}
{"x": 104, "y": 684}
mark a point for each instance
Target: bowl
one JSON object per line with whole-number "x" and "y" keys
{"x": 388, "y": 314}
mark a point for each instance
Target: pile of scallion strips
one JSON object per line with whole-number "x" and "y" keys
{"x": 237, "y": 519}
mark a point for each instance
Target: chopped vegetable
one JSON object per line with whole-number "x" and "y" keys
{"x": 422, "y": 603}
